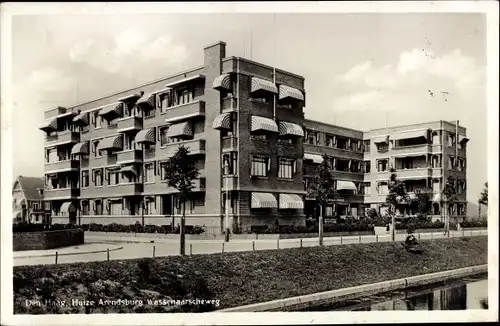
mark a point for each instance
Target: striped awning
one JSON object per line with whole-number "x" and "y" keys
{"x": 67, "y": 207}
{"x": 291, "y": 201}
{"x": 263, "y": 85}
{"x": 50, "y": 125}
{"x": 146, "y": 102}
{"x": 82, "y": 118}
{"x": 290, "y": 129}
{"x": 80, "y": 148}
{"x": 112, "y": 110}
{"x": 222, "y": 121}
{"x": 290, "y": 92}
{"x": 185, "y": 80}
{"x": 263, "y": 200}
{"x": 346, "y": 185}
{"x": 422, "y": 133}
{"x": 263, "y": 124}
{"x": 462, "y": 139}
{"x": 145, "y": 136}
{"x": 184, "y": 129}
{"x": 114, "y": 142}
{"x": 381, "y": 140}
{"x": 316, "y": 158}
{"x": 222, "y": 82}
{"x": 129, "y": 169}
{"x": 130, "y": 97}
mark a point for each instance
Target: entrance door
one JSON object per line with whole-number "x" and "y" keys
{"x": 72, "y": 217}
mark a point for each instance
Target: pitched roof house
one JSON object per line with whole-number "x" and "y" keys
{"x": 27, "y": 200}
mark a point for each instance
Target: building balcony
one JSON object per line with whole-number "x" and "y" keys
{"x": 149, "y": 153}
{"x": 414, "y": 149}
{"x": 350, "y": 198}
{"x": 63, "y": 193}
{"x": 436, "y": 173}
{"x": 184, "y": 112}
{"x": 230, "y": 143}
{"x": 418, "y": 173}
{"x": 129, "y": 124}
{"x": 161, "y": 188}
{"x": 229, "y": 104}
{"x": 129, "y": 156}
{"x": 111, "y": 159}
{"x": 229, "y": 182}
{"x": 195, "y": 147}
{"x": 122, "y": 189}
{"x": 62, "y": 138}
{"x": 62, "y": 166}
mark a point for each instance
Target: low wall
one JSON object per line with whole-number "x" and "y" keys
{"x": 47, "y": 239}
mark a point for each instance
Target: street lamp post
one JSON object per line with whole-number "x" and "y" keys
{"x": 226, "y": 173}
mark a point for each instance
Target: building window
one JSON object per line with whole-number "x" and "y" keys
{"x": 233, "y": 202}
{"x": 366, "y": 188}
{"x": 451, "y": 162}
{"x": 367, "y": 166}
{"x": 97, "y": 120}
{"x": 97, "y": 174}
{"x": 329, "y": 211}
{"x": 113, "y": 178}
{"x": 312, "y": 137}
{"x": 451, "y": 139}
{"x": 149, "y": 172}
{"x": 150, "y": 206}
{"x": 366, "y": 146}
{"x": 436, "y": 139}
{"x": 382, "y": 165}
{"x": 85, "y": 207}
{"x": 128, "y": 141}
{"x": 184, "y": 95}
{"x": 286, "y": 168}
{"x": 98, "y": 207}
{"x": 382, "y": 188}
{"x": 232, "y": 159}
{"x": 85, "y": 179}
{"x": 163, "y": 167}
{"x": 115, "y": 208}
{"x": 163, "y": 136}
{"x": 97, "y": 152}
{"x": 330, "y": 140}
{"x": 260, "y": 166}
{"x": 342, "y": 143}
{"x": 51, "y": 155}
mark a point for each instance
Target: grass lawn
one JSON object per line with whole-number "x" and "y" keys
{"x": 235, "y": 279}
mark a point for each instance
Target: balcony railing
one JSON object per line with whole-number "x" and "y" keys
{"x": 62, "y": 137}
{"x": 195, "y": 147}
{"x": 229, "y": 182}
{"x": 63, "y": 193}
{"x": 424, "y": 172}
{"x": 62, "y": 166}
{"x": 149, "y": 153}
{"x": 186, "y": 111}
{"x": 230, "y": 143}
{"x": 111, "y": 159}
{"x": 129, "y": 156}
{"x": 413, "y": 149}
{"x": 129, "y": 123}
{"x": 229, "y": 104}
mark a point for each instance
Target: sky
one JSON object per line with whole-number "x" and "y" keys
{"x": 362, "y": 71}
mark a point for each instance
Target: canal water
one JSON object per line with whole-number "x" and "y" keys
{"x": 461, "y": 294}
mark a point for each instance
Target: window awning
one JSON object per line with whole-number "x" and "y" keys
{"x": 316, "y": 158}
{"x": 422, "y": 133}
{"x": 263, "y": 200}
{"x": 112, "y": 110}
{"x": 263, "y": 124}
{"x": 50, "y": 125}
{"x": 222, "y": 82}
{"x": 290, "y": 92}
{"x": 80, "y": 148}
{"x": 185, "y": 80}
{"x": 463, "y": 139}
{"x": 291, "y": 129}
{"x": 381, "y": 139}
{"x": 291, "y": 201}
{"x": 145, "y": 136}
{"x": 146, "y": 102}
{"x": 263, "y": 85}
{"x": 130, "y": 97}
{"x": 129, "y": 169}
{"x": 184, "y": 129}
{"x": 222, "y": 121}
{"x": 346, "y": 185}
{"x": 67, "y": 207}
{"x": 66, "y": 115}
{"x": 114, "y": 142}
{"x": 82, "y": 118}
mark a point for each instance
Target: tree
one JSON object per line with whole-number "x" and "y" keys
{"x": 397, "y": 196}
{"x": 181, "y": 171}
{"x": 422, "y": 202}
{"x": 449, "y": 196}
{"x": 483, "y": 199}
{"x": 323, "y": 189}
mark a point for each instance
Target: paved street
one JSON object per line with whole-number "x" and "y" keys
{"x": 121, "y": 249}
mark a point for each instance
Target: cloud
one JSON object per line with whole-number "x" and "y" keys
{"x": 48, "y": 79}
{"x": 129, "y": 50}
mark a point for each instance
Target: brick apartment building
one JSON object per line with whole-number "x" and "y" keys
{"x": 244, "y": 124}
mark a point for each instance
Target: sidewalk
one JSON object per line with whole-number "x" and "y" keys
{"x": 73, "y": 250}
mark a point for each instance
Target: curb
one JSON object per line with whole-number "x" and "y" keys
{"x": 361, "y": 289}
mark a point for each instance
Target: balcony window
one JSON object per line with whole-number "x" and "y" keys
{"x": 410, "y": 142}
{"x": 342, "y": 165}
{"x": 129, "y": 177}
{"x": 85, "y": 179}
{"x": 435, "y": 161}
{"x": 163, "y": 167}
{"x": 354, "y": 145}
{"x": 382, "y": 147}
{"x": 97, "y": 176}
{"x": 451, "y": 139}
{"x": 185, "y": 95}
{"x": 115, "y": 208}
{"x": 436, "y": 138}
{"x": 366, "y": 146}
{"x": 150, "y": 207}
{"x": 382, "y": 165}
{"x": 97, "y": 152}
{"x": 367, "y": 166}
{"x": 451, "y": 162}
{"x": 97, "y": 120}
{"x": 129, "y": 142}
{"x": 330, "y": 140}
{"x": 355, "y": 166}
{"x": 286, "y": 168}
{"x": 342, "y": 143}
{"x": 232, "y": 159}
{"x": 98, "y": 207}
{"x": 436, "y": 186}
{"x": 113, "y": 178}
{"x": 260, "y": 166}
{"x": 51, "y": 155}
{"x": 149, "y": 172}
{"x": 366, "y": 188}
{"x": 312, "y": 138}
{"x": 382, "y": 188}
{"x": 85, "y": 207}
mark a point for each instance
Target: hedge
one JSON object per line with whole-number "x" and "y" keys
{"x": 26, "y": 227}
{"x": 138, "y": 228}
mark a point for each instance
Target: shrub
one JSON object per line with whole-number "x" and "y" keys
{"x": 474, "y": 224}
